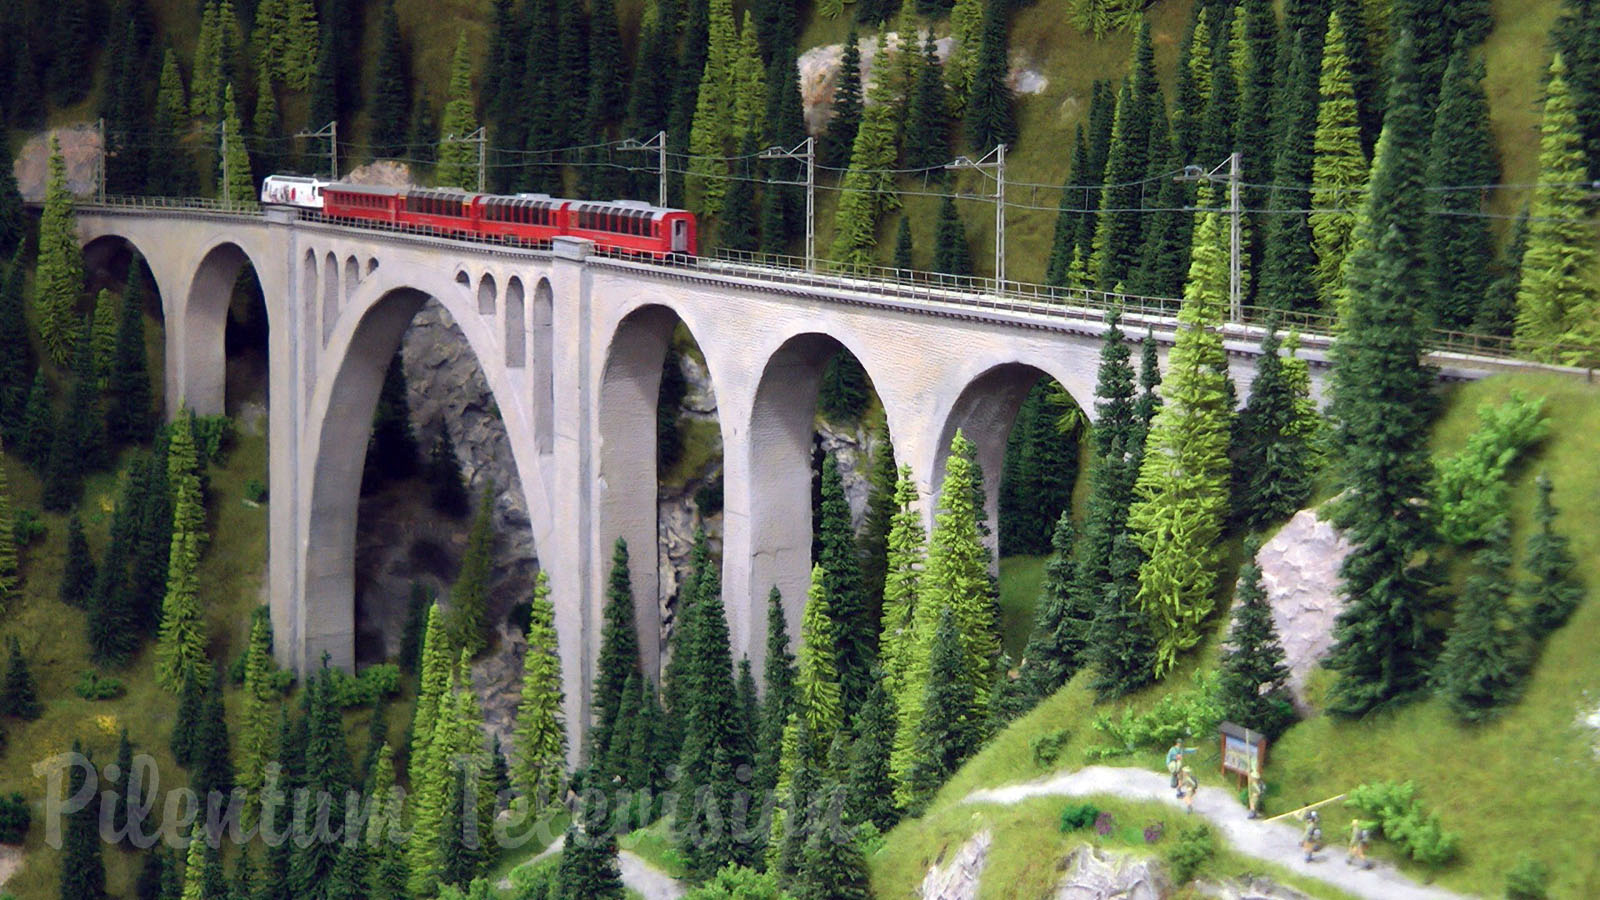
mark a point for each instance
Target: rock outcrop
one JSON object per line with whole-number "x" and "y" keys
{"x": 1300, "y": 573}
{"x": 1252, "y": 888}
{"x": 958, "y": 879}
{"x": 1095, "y": 874}
{"x": 80, "y": 150}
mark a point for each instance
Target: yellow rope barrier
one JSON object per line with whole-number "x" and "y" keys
{"x": 1304, "y": 808}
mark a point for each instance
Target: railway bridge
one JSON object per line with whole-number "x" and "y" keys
{"x": 572, "y": 345}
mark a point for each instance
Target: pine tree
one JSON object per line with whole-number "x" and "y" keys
{"x": 713, "y": 124}
{"x": 257, "y": 714}
{"x": 77, "y": 579}
{"x": 588, "y": 867}
{"x": 1058, "y": 644}
{"x": 19, "y": 697}
{"x": 1274, "y": 469}
{"x": 927, "y": 143}
{"x": 391, "y": 95}
{"x": 77, "y": 444}
{"x": 150, "y": 557}
{"x": 1182, "y": 488}
{"x": 449, "y": 494}
{"x": 795, "y": 819}
{"x": 236, "y": 184}
{"x": 1552, "y": 591}
{"x": 1253, "y": 686}
{"x": 205, "y": 89}
{"x": 83, "y": 871}
{"x": 1380, "y": 393}
{"x": 540, "y": 737}
{"x": 212, "y": 764}
{"x": 426, "y": 786}
{"x": 1339, "y": 173}
{"x": 951, "y": 726}
{"x": 854, "y": 633}
{"x": 58, "y": 278}
{"x": 990, "y": 117}
{"x": 1122, "y": 648}
{"x": 1193, "y": 85}
{"x": 13, "y": 229}
{"x": 741, "y": 228}
{"x": 1070, "y": 217}
{"x": 819, "y": 694}
{"x": 392, "y": 448}
{"x": 840, "y": 137}
{"x": 778, "y": 677}
{"x": 870, "y": 785}
{"x": 457, "y": 159}
{"x": 1118, "y": 234}
{"x": 951, "y": 256}
{"x": 10, "y": 587}
{"x": 130, "y": 796}
{"x": 186, "y": 726}
{"x": 15, "y": 356}
{"x": 1576, "y": 34}
{"x": 114, "y": 621}
{"x": 469, "y": 623}
{"x": 967, "y": 22}
{"x": 1498, "y": 314}
{"x": 1258, "y": 100}
{"x": 782, "y": 206}
{"x": 873, "y": 542}
{"x": 171, "y": 171}
{"x": 128, "y": 385}
{"x": 619, "y": 659}
{"x": 1287, "y": 280}
{"x": 1459, "y": 241}
{"x": 1486, "y": 656}
{"x": 181, "y": 647}
{"x": 1118, "y": 446}
{"x": 869, "y": 187}
{"x": 1559, "y": 299}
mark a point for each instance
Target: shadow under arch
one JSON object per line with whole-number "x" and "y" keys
{"x": 985, "y": 411}
{"x": 197, "y": 373}
{"x": 627, "y": 480}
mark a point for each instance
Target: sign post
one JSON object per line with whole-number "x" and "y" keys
{"x": 1241, "y": 748}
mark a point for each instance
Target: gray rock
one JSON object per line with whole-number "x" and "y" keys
{"x": 958, "y": 880}
{"x": 1300, "y": 573}
{"x": 1094, "y": 874}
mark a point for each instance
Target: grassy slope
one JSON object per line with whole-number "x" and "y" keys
{"x": 1522, "y": 784}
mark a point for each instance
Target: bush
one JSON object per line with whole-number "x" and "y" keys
{"x": 1471, "y": 489}
{"x": 213, "y": 435}
{"x": 255, "y": 490}
{"x": 94, "y": 686}
{"x": 15, "y": 817}
{"x": 26, "y": 528}
{"x": 365, "y": 688}
{"x": 1402, "y": 819}
{"x": 1192, "y": 850}
{"x": 1078, "y": 815}
{"x": 1528, "y": 880}
{"x": 1047, "y": 747}
{"x": 1179, "y": 715}
{"x": 709, "y": 498}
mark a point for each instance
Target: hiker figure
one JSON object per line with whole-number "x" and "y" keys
{"x": 1187, "y": 788}
{"x": 1311, "y": 841}
{"x": 1360, "y": 837}
{"x": 1255, "y": 788}
{"x": 1175, "y": 760}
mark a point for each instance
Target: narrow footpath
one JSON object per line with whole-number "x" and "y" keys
{"x": 637, "y": 875}
{"x": 1276, "y": 842}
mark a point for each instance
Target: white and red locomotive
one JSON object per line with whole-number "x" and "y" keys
{"x": 625, "y": 227}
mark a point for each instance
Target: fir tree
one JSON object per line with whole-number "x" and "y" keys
{"x": 266, "y": 133}
{"x": 58, "y": 278}
{"x": 1339, "y": 173}
{"x": 869, "y": 187}
{"x": 840, "y": 137}
{"x": 150, "y": 559}
{"x": 967, "y": 23}
{"x": 951, "y": 256}
{"x": 927, "y": 143}
{"x": 103, "y": 333}
{"x": 186, "y": 726}
{"x": 1102, "y": 124}
{"x": 426, "y": 786}
{"x": 444, "y": 472}
{"x": 951, "y": 726}
{"x": 257, "y": 745}
{"x": 1287, "y": 280}
{"x": 740, "y": 228}
{"x": 13, "y": 229}
{"x": 782, "y": 205}
{"x": 990, "y": 117}
{"x": 15, "y": 361}
{"x": 9, "y": 581}
{"x": 903, "y": 261}
{"x": 171, "y": 172}
{"x": 1274, "y": 469}
{"x": 182, "y": 640}
{"x": 391, "y": 94}
{"x": 1558, "y": 300}
{"x": 77, "y": 580}
{"x": 1070, "y": 215}
{"x": 1117, "y": 447}
{"x": 83, "y": 871}
{"x": 236, "y": 185}
{"x": 1576, "y": 34}
{"x": 1118, "y": 235}
{"x": 1182, "y": 487}
{"x": 1253, "y": 686}
{"x": 778, "y": 677}
{"x": 114, "y": 622}
{"x": 212, "y": 762}
{"x": 854, "y": 633}
{"x": 619, "y": 658}
{"x": 1380, "y": 393}
{"x": 1552, "y": 591}
{"x": 1257, "y": 102}
{"x": 1485, "y": 657}
{"x": 589, "y": 865}
{"x": 869, "y": 791}
{"x": 873, "y": 543}
{"x": 1459, "y": 242}
{"x": 1057, "y": 645}
{"x": 712, "y": 127}
{"x": 19, "y": 697}
{"x": 469, "y": 598}
{"x": 77, "y": 444}
{"x": 1193, "y": 85}
{"x": 128, "y": 386}
{"x": 457, "y": 159}
{"x": 1122, "y": 648}
{"x": 327, "y": 771}
{"x": 1498, "y": 314}
{"x": 540, "y": 737}
{"x": 392, "y": 448}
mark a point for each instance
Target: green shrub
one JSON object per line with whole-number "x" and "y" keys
{"x": 1192, "y": 850}
{"x": 1471, "y": 487}
{"x": 365, "y": 688}
{"x": 1078, "y": 815}
{"x": 1529, "y": 879}
{"x": 1179, "y": 715}
{"x": 213, "y": 435}
{"x": 26, "y": 528}
{"x": 15, "y": 817}
{"x": 94, "y": 686}
{"x": 1402, "y": 818}
{"x": 255, "y": 490}
{"x": 1047, "y": 748}
{"x": 709, "y": 498}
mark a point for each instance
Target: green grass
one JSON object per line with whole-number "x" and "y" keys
{"x": 1522, "y": 784}
{"x": 655, "y": 846}
{"x": 1020, "y": 578}
{"x": 702, "y": 443}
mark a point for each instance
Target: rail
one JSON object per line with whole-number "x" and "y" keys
{"x": 1317, "y": 329}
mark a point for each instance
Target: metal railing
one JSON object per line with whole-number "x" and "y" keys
{"x": 1317, "y": 330}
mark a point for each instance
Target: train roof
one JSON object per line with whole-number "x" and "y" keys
{"x": 520, "y": 199}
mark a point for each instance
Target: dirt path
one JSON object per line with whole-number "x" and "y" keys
{"x": 1276, "y": 842}
{"x": 637, "y": 875}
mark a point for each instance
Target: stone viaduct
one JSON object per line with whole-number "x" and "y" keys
{"x": 572, "y": 346}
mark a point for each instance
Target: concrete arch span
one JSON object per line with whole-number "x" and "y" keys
{"x": 199, "y": 380}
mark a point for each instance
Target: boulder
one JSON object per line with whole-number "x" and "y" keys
{"x": 958, "y": 879}
{"x": 1095, "y": 874}
{"x": 80, "y": 150}
{"x": 1300, "y": 573}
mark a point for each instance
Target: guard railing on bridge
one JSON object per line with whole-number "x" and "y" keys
{"x": 1317, "y": 329}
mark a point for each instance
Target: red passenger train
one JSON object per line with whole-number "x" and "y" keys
{"x": 623, "y": 227}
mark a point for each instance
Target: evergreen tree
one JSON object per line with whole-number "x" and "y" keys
{"x": 794, "y": 821}
{"x": 182, "y": 640}
{"x": 129, "y": 796}
{"x": 68, "y": 75}
{"x": 171, "y": 171}
{"x": 114, "y": 622}
{"x": 1122, "y": 648}
{"x": 869, "y": 187}
{"x": 1287, "y": 279}
{"x": 128, "y": 386}
{"x": 103, "y": 333}
{"x": 392, "y": 448}
{"x": 588, "y": 866}
{"x": 150, "y": 556}
{"x": 967, "y": 22}
{"x": 840, "y": 137}
{"x": 1552, "y": 591}
{"x": 927, "y": 143}
{"x": 873, "y": 543}
{"x": 1102, "y": 124}
{"x": 903, "y": 263}
{"x": 854, "y": 633}
{"x": 713, "y": 124}
{"x": 19, "y": 697}
{"x": 15, "y": 362}
{"x": 1253, "y": 686}
{"x": 13, "y": 228}
{"x": 1118, "y": 235}
{"x": 469, "y": 624}
{"x": 741, "y": 227}
{"x": 236, "y": 184}
{"x": 77, "y": 580}
{"x": 782, "y": 206}
{"x": 869, "y": 789}
{"x": 1486, "y": 655}
{"x": 457, "y": 159}
{"x": 1182, "y": 487}
{"x": 212, "y": 758}
{"x": 1576, "y": 34}
{"x": 540, "y": 737}
{"x": 1058, "y": 644}
{"x": 9, "y": 581}
{"x": 1559, "y": 300}
{"x": 951, "y": 726}
{"x": 266, "y": 132}
{"x": 58, "y": 278}
{"x": 1460, "y": 245}
{"x": 186, "y": 726}
{"x": 327, "y": 771}
{"x": 1274, "y": 468}
{"x": 83, "y": 870}
{"x": 1193, "y": 85}
{"x": 391, "y": 93}
{"x": 1498, "y": 314}
{"x": 1339, "y": 173}
{"x": 257, "y": 744}
{"x": 1380, "y": 401}
{"x": 619, "y": 659}
{"x": 1070, "y": 216}
{"x": 778, "y": 678}
{"x": 444, "y": 473}
{"x": 426, "y": 779}
{"x": 990, "y": 117}
{"x": 77, "y": 444}
{"x": 1258, "y": 100}
{"x": 423, "y": 142}
{"x": 951, "y": 256}
{"x": 1165, "y": 258}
